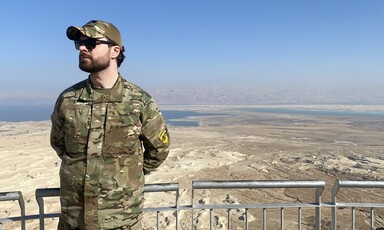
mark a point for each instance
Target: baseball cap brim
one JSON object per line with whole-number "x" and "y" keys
{"x": 74, "y": 32}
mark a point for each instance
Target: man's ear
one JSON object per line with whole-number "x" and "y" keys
{"x": 115, "y": 52}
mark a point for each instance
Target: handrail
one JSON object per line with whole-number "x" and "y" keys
{"x": 12, "y": 196}
{"x": 351, "y": 184}
{"x": 54, "y": 192}
{"x": 248, "y": 184}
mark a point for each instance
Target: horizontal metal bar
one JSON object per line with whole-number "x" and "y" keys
{"x": 29, "y": 217}
{"x": 52, "y": 192}
{"x": 46, "y": 215}
{"x": 234, "y": 206}
{"x": 9, "y": 219}
{"x": 360, "y": 184}
{"x": 255, "y": 206}
{"x": 161, "y": 187}
{"x": 360, "y": 205}
{"x": 256, "y": 184}
{"x": 9, "y": 196}
{"x": 159, "y": 209}
{"x": 353, "y": 184}
{"x": 47, "y": 192}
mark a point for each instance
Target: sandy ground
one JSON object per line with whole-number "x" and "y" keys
{"x": 237, "y": 145}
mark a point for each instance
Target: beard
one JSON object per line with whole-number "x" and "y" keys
{"x": 90, "y": 65}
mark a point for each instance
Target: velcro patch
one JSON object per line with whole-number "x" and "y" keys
{"x": 163, "y": 136}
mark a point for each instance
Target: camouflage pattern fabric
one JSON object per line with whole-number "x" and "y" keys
{"x": 107, "y": 140}
{"x": 96, "y": 29}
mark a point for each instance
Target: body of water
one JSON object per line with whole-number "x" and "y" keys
{"x": 320, "y": 112}
{"x": 16, "y": 113}
{"x": 19, "y": 113}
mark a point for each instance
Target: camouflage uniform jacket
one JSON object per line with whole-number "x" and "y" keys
{"x": 107, "y": 140}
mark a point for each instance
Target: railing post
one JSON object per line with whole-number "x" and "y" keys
{"x": 371, "y": 221}
{"x": 39, "y": 194}
{"x": 264, "y": 219}
{"x": 246, "y": 219}
{"x": 335, "y": 190}
{"x": 299, "y": 218}
{"x": 22, "y": 210}
{"x": 40, "y": 203}
{"x": 11, "y": 196}
{"x": 353, "y": 218}
{"x": 282, "y": 218}
{"x": 192, "y": 205}
{"x": 319, "y": 191}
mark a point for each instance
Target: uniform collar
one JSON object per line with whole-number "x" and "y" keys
{"x": 115, "y": 94}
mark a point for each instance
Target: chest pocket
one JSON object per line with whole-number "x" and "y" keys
{"x": 77, "y": 128}
{"x": 122, "y": 130}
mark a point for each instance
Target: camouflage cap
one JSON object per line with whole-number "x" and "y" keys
{"x": 96, "y": 29}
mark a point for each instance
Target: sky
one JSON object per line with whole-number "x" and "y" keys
{"x": 178, "y": 43}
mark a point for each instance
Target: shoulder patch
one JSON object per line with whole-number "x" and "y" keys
{"x": 163, "y": 136}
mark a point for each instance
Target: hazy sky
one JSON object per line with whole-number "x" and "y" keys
{"x": 197, "y": 42}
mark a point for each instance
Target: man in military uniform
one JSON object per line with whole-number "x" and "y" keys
{"x": 108, "y": 133}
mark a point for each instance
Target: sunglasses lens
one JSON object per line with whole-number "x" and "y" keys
{"x": 77, "y": 44}
{"x": 89, "y": 43}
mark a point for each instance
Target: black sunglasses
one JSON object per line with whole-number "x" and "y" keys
{"x": 91, "y": 43}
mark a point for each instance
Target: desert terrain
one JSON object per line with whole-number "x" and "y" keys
{"x": 236, "y": 144}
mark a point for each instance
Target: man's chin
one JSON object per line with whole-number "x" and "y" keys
{"x": 85, "y": 68}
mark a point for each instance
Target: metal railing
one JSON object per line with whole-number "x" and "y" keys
{"x": 354, "y": 184}
{"x": 55, "y": 192}
{"x": 317, "y": 205}
{"x": 12, "y": 196}
{"x": 318, "y": 185}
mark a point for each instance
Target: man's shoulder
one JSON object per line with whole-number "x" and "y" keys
{"x": 73, "y": 90}
{"x": 135, "y": 89}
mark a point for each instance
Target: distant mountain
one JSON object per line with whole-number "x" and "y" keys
{"x": 225, "y": 95}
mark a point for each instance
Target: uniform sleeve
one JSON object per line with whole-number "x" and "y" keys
{"x": 57, "y": 131}
{"x": 155, "y": 137}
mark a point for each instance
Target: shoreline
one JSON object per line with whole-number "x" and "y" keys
{"x": 376, "y": 110}
{"x": 336, "y": 107}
